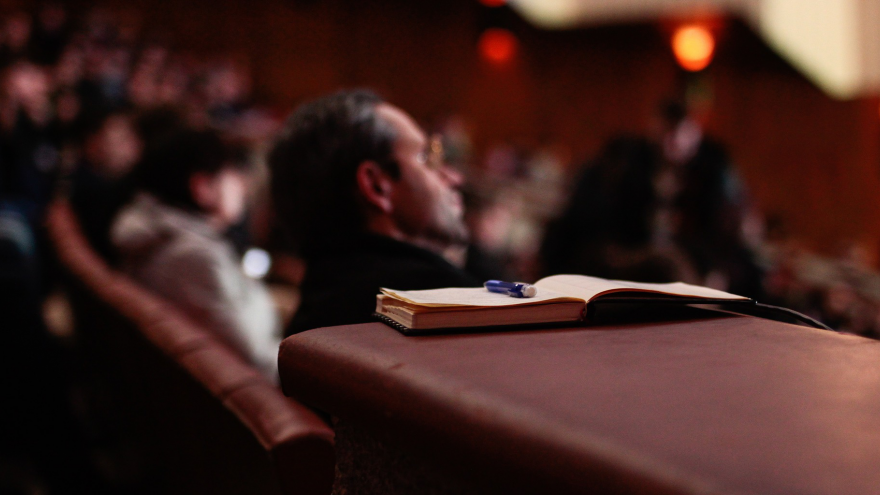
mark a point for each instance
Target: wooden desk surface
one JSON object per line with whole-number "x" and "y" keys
{"x": 715, "y": 405}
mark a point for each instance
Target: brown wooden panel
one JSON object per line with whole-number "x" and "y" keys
{"x": 810, "y": 160}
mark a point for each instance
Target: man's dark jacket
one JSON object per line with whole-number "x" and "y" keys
{"x": 342, "y": 281}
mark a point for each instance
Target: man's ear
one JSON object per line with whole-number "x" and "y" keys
{"x": 375, "y": 186}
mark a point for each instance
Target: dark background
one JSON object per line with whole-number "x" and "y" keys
{"x": 810, "y": 161}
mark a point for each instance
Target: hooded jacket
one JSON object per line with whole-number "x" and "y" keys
{"x": 180, "y": 256}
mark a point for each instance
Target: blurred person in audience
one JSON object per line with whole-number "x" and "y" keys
{"x": 70, "y": 68}
{"x": 101, "y": 183}
{"x": 51, "y": 33}
{"x": 226, "y": 94}
{"x": 173, "y": 83}
{"x": 606, "y": 230}
{"x": 16, "y": 42}
{"x": 702, "y": 204}
{"x": 66, "y": 106}
{"x": 369, "y": 202}
{"x": 31, "y": 134}
{"x": 30, "y": 155}
{"x": 170, "y": 238}
{"x": 39, "y": 430}
{"x": 106, "y": 72}
{"x": 226, "y": 88}
{"x": 143, "y": 85}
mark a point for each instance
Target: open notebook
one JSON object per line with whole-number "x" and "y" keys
{"x": 560, "y": 299}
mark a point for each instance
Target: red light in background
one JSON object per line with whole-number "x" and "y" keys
{"x": 693, "y": 47}
{"x": 498, "y": 45}
{"x": 493, "y": 3}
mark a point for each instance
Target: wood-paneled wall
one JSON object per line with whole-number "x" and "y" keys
{"x": 808, "y": 159}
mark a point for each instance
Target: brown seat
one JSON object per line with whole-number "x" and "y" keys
{"x": 196, "y": 416}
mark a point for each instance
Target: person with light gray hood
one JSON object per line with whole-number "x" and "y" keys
{"x": 170, "y": 239}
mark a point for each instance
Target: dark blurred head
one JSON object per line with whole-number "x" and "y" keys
{"x": 314, "y": 161}
{"x": 112, "y": 145}
{"x": 179, "y": 167}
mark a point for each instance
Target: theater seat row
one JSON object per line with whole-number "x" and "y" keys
{"x": 194, "y": 416}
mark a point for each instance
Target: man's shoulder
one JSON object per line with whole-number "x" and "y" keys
{"x": 390, "y": 263}
{"x": 341, "y": 287}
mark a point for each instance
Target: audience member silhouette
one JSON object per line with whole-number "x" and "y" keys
{"x": 369, "y": 202}
{"x": 607, "y": 228}
{"x": 170, "y": 238}
{"x": 702, "y": 203}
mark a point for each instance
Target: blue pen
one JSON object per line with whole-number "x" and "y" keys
{"x": 512, "y": 289}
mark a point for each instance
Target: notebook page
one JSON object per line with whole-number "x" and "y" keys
{"x": 586, "y": 288}
{"x": 471, "y": 296}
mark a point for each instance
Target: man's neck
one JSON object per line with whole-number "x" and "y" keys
{"x": 389, "y": 229}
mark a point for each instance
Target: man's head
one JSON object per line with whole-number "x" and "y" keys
{"x": 351, "y": 162}
{"x": 197, "y": 171}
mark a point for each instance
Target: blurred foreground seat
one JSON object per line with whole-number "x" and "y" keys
{"x": 179, "y": 411}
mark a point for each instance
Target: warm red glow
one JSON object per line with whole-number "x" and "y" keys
{"x": 693, "y": 47}
{"x": 498, "y": 45}
{"x": 493, "y": 3}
